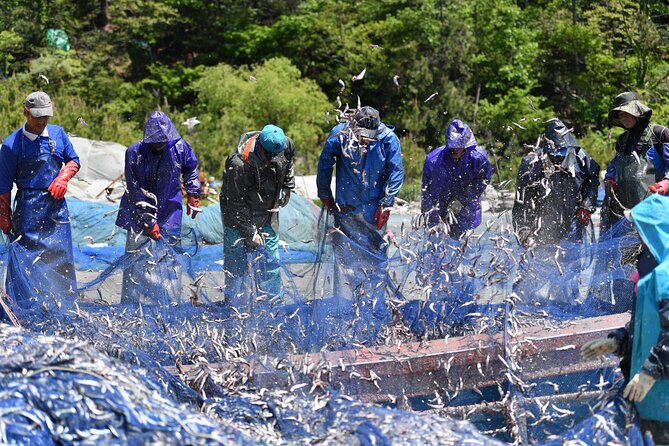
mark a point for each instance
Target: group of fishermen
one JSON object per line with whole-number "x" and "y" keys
{"x": 556, "y": 195}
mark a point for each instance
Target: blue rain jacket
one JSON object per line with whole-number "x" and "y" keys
{"x": 364, "y": 181}
{"x": 159, "y": 174}
{"x": 650, "y": 344}
{"x": 445, "y": 179}
{"x": 42, "y": 221}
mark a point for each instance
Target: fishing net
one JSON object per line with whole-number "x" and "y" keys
{"x": 408, "y": 337}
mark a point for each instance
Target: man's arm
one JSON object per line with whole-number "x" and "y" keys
{"x": 237, "y": 210}
{"x": 191, "y": 176}
{"x": 394, "y": 172}
{"x": 590, "y": 184}
{"x": 326, "y": 162}
{"x": 145, "y": 216}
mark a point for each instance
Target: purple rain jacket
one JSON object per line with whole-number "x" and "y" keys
{"x": 445, "y": 179}
{"x": 158, "y": 174}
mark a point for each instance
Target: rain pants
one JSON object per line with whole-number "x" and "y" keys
{"x": 650, "y": 341}
{"x": 154, "y": 196}
{"x": 446, "y": 180}
{"x": 365, "y": 178}
{"x": 548, "y": 196}
{"x": 254, "y": 187}
{"x": 641, "y": 159}
{"x": 41, "y": 222}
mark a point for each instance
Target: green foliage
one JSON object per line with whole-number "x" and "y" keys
{"x": 481, "y": 61}
{"x": 231, "y": 103}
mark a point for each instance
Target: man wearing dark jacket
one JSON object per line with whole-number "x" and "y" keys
{"x": 258, "y": 180}
{"x": 556, "y": 189}
{"x": 641, "y": 163}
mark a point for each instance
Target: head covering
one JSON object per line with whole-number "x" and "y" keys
{"x": 367, "y": 121}
{"x": 159, "y": 129}
{"x": 628, "y": 102}
{"x": 39, "y": 104}
{"x": 651, "y": 219}
{"x": 272, "y": 139}
{"x": 459, "y": 136}
{"x": 558, "y": 138}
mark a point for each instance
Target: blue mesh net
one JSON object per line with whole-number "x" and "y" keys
{"x": 411, "y": 338}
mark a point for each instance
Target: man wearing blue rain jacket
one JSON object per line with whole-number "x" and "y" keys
{"x": 454, "y": 177}
{"x": 32, "y": 157}
{"x": 369, "y": 175}
{"x": 152, "y": 205}
{"x": 648, "y": 341}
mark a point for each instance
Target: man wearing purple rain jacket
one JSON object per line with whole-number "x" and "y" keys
{"x": 454, "y": 177}
{"x": 152, "y": 205}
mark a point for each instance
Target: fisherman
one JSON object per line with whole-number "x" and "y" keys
{"x": 368, "y": 157}
{"x": 641, "y": 162}
{"x": 152, "y": 205}
{"x": 644, "y": 341}
{"x": 556, "y": 189}
{"x": 454, "y": 178}
{"x": 40, "y": 160}
{"x": 259, "y": 179}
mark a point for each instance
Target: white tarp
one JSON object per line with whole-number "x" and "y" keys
{"x": 101, "y": 175}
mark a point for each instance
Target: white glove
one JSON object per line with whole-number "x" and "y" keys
{"x": 638, "y": 387}
{"x": 256, "y": 240}
{"x": 598, "y": 347}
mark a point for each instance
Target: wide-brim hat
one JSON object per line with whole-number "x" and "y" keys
{"x": 629, "y": 103}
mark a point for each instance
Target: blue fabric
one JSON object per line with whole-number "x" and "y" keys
{"x": 16, "y": 149}
{"x": 363, "y": 183}
{"x": 159, "y": 174}
{"x": 40, "y": 224}
{"x": 445, "y": 179}
{"x": 651, "y": 218}
{"x": 459, "y": 136}
{"x": 159, "y": 129}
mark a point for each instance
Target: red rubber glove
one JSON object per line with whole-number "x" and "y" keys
{"x": 611, "y": 183}
{"x": 661, "y": 187}
{"x": 381, "y": 217}
{"x": 583, "y": 215}
{"x": 328, "y": 203}
{"x": 6, "y": 212}
{"x": 193, "y": 205}
{"x": 58, "y": 186}
{"x": 154, "y": 232}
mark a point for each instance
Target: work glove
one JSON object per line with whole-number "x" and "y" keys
{"x": 193, "y": 205}
{"x": 58, "y": 186}
{"x": 256, "y": 240}
{"x": 381, "y": 217}
{"x": 6, "y": 212}
{"x": 610, "y": 183}
{"x": 661, "y": 187}
{"x": 599, "y": 347}
{"x": 328, "y": 203}
{"x": 154, "y": 232}
{"x": 638, "y": 387}
{"x": 583, "y": 215}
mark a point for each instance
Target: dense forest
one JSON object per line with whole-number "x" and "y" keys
{"x": 503, "y": 66}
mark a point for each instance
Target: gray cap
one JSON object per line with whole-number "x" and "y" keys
{"x": 39, "y": 104}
